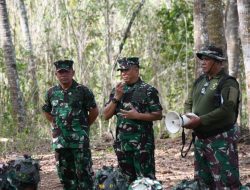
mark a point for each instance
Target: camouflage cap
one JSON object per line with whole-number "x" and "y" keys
{"x": 211, "y": 52}
{"x": 63, "y": 65}
{"x": 127, "y": 62}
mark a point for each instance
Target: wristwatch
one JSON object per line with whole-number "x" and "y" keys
{"x": 114, "y": 100}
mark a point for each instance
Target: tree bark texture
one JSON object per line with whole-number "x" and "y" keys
{"x": 244, "y": 28}
{"x": 215, "y": 27}
{"x": 29, "y": 48}
{"x": 9, "y": 57}
{"x": 232, "y": 36}
{"x": 200, "y": 31}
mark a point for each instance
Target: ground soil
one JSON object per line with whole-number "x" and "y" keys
{"x": 171, "y": 167}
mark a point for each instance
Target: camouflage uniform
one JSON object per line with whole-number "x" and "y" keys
{"x": 135, "y": 138}
{"x": 216, "y": 155}
{"x": 216, "y": 160}
{"x": 70, "y": 132}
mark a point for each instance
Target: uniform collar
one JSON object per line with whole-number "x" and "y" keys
{"x": 218, "y": 75}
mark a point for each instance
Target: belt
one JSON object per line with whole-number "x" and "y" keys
{"x": 214, "y": 132}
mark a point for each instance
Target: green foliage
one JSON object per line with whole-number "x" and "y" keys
{"x": 1, "y": 60}
{"x": 176, "y": 52}
{"x": 78, "y": 30}
{"x": 162, "y": 38}
{"x": 177, "y": 27}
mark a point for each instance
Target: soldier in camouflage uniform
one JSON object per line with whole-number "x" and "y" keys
{"x": 71, "y": 108}
{"x": 136, "y": 105}
{"x": 216, "y": 155}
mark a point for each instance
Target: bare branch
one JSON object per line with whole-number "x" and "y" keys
{"x": 126, "y": 33}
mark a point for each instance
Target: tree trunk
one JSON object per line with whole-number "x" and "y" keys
{"x": 233, "y": 47}
{"x": 108, "y": 24}
{"x": 215, "y": 27}
{"x": 244, "y": 28}
{"x": 232, "y": 36}
{"x": 208, "y": 26}
{"x": 19, "y": 113}
{"x": 29, "y": 48}
{"x": 200, "y": 31}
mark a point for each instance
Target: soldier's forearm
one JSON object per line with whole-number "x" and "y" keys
{"x": 48, "y": 116}
{"x": 153, "y": 116}
{"x": 93, "y": 113}
{"x": 109, "y": 110}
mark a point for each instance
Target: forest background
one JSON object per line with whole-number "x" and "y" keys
{"x": 93, "y": 33}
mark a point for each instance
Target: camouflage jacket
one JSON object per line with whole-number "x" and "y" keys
{"x": 144, "y": 98}
{"x": 69, "y": 109}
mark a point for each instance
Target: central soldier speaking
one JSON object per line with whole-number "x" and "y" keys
{"x": 136, "y": 105}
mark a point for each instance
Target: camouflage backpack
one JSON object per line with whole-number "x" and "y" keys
{"x": 4, "y": 184}
{"x": 22, "y": 173}
{"x": 110, "y": 178}
{"x": 145, "y": 184}
{"x": 191, "y": 185}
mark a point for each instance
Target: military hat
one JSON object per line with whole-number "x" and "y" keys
{"x": 127, "y": 62}
{"x": 63, "y": 65}
{"x": 211, "y": 52}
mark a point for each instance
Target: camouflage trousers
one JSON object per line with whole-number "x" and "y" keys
{"x": 136, "y": 163}
{"x": 74, "y": 168}
{"x": 216, "y": 160}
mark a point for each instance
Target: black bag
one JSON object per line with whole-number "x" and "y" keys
{"x": 191, "y": 185}
{"x": 19, "y": 174}
{"x": 110, "y": 178}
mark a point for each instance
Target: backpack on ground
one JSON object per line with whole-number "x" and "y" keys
{"x": 4, "y": 184}
{"x": 145, "y": 184}
{"x": 19, "y": 174}
{"x": 110, "y": 178}
{"x": 191, "y": 185}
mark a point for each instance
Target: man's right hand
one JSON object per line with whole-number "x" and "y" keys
{"x": 119, "y": 91}
{"x": 109, "y": 109}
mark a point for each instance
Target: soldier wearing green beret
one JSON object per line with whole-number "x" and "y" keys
{"x": 136, "y": 105}
{"x": 214, "y": 99}
{"x": 71, "y": 108}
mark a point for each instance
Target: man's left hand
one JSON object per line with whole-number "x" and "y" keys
{"x": 131, "y": 114}
{"x": 193, "y": 123}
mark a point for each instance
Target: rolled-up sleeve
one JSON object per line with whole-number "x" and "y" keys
{"x": 90, "y": 103}
{"x": 154, "y": 102}
{"x": 47, "y": 107}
